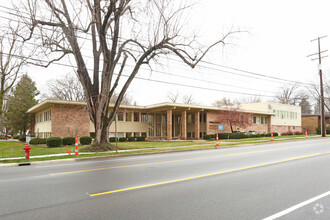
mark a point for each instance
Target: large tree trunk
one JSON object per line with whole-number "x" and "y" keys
{"x": 100, "y": 120}
{"x": 101, "y": 134}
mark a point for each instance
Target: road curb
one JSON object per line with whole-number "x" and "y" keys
{"x": 36, "y": 162}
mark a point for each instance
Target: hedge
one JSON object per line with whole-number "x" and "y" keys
{"x": 54, "y": 142}
{"x": 69, "y": 140}
{"x": 131, "y": 139}
{"x": 113, "y": 139}
{"x": 85, "y": 140}
{"x": 236, "y": 136}
{"x": 318, "y": 130}
{"x": 122, "y": 139}
{"x": 22, "y": 138}
{"x": 140, "y": 138}
{"x": 15, "y": 136}
{"x": 38, "y": 141}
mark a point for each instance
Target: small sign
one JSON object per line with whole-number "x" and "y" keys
{"x": 220, "y": 127}
{"x": 112, "y": 134}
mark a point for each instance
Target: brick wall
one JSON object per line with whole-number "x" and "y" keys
{"x": 213, "y": 122}
{"x": 281, "y": 128}
{"x": 70, "y": 121}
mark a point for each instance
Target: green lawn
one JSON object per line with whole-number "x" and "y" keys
{"x": 15, "y": 149}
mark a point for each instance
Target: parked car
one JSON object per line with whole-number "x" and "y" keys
{"x": 251, "y": 132}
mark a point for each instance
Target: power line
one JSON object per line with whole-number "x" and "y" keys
{"x": 152, "y": 80}
{"x": 171, "y": 74}
{"x": 256, "y": 75}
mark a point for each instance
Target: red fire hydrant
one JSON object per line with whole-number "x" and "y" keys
{"x": 27, "y": 151}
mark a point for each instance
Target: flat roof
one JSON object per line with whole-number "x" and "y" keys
{"x": 155, "y": 107}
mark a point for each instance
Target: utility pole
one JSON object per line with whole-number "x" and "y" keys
{"x": 321, "y": 81}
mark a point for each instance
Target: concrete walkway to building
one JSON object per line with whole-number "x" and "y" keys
{"x": 165, "y": 148}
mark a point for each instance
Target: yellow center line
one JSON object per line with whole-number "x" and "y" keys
{"x": 208, "y": 175}
{"x": 179, "y": 160}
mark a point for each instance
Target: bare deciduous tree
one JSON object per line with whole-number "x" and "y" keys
{"x": 314, "y": 91}
{"x": 113, "y": 31}
{"x": 12, "y": 60}
{"x": 173, "y": 97}
{"x": 67, "y": 88}
{"x": 224, "y": 102}
{"x": 188, "y": 99}
{"x": 251, "y": 99}
{"x": 235, "y": 118}
{"x": 286, "y": 94}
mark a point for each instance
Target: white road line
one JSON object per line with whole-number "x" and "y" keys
{"x": 295, "y": 207}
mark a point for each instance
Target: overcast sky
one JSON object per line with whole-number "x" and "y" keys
{"x": 277, "y": 43}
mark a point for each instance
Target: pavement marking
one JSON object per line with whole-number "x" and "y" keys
{"x": 295, "y": 207}
{"x": 179, "y": 160}
{"x": 207, "y": 175}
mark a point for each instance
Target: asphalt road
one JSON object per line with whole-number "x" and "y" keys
{"x": 280, "y": 180}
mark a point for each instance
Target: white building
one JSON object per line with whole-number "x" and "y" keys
{"x": 287, "y": 118}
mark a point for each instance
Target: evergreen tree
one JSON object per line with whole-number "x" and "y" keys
{"x": 22, "y": 98}
{"x": 305, "y": 106}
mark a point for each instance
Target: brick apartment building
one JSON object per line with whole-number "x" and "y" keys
{"x": 56, "y": 118}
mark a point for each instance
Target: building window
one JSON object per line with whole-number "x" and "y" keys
{"x": 190, "y": 134}
{"x": 151, "y": 126}
{"x": 262, "y": 120}
{"x": 136, "y": 134}
{"x": 254, "y": 120}
{"x": 144, "y": 117}
{"x": 136, "y": 116}
{"x": 266, "y": 120}
{"x": 143, "y": 134}
{"x": 188, "y": 118}
{"x": 120, "y": 116}
{"x": 128, "y": 134}
{"x": 120, "y": 134}
{"x": 164, "y": 125}
{"x": 158, "y": 125}
{"x": 202, "y": 117}
{"x": 128, "y": 116}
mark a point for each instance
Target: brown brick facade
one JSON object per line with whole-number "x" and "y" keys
{"x": 281, "y": 128}
{"x": 70, "y": 121}
{"x": 213, "y": 122}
